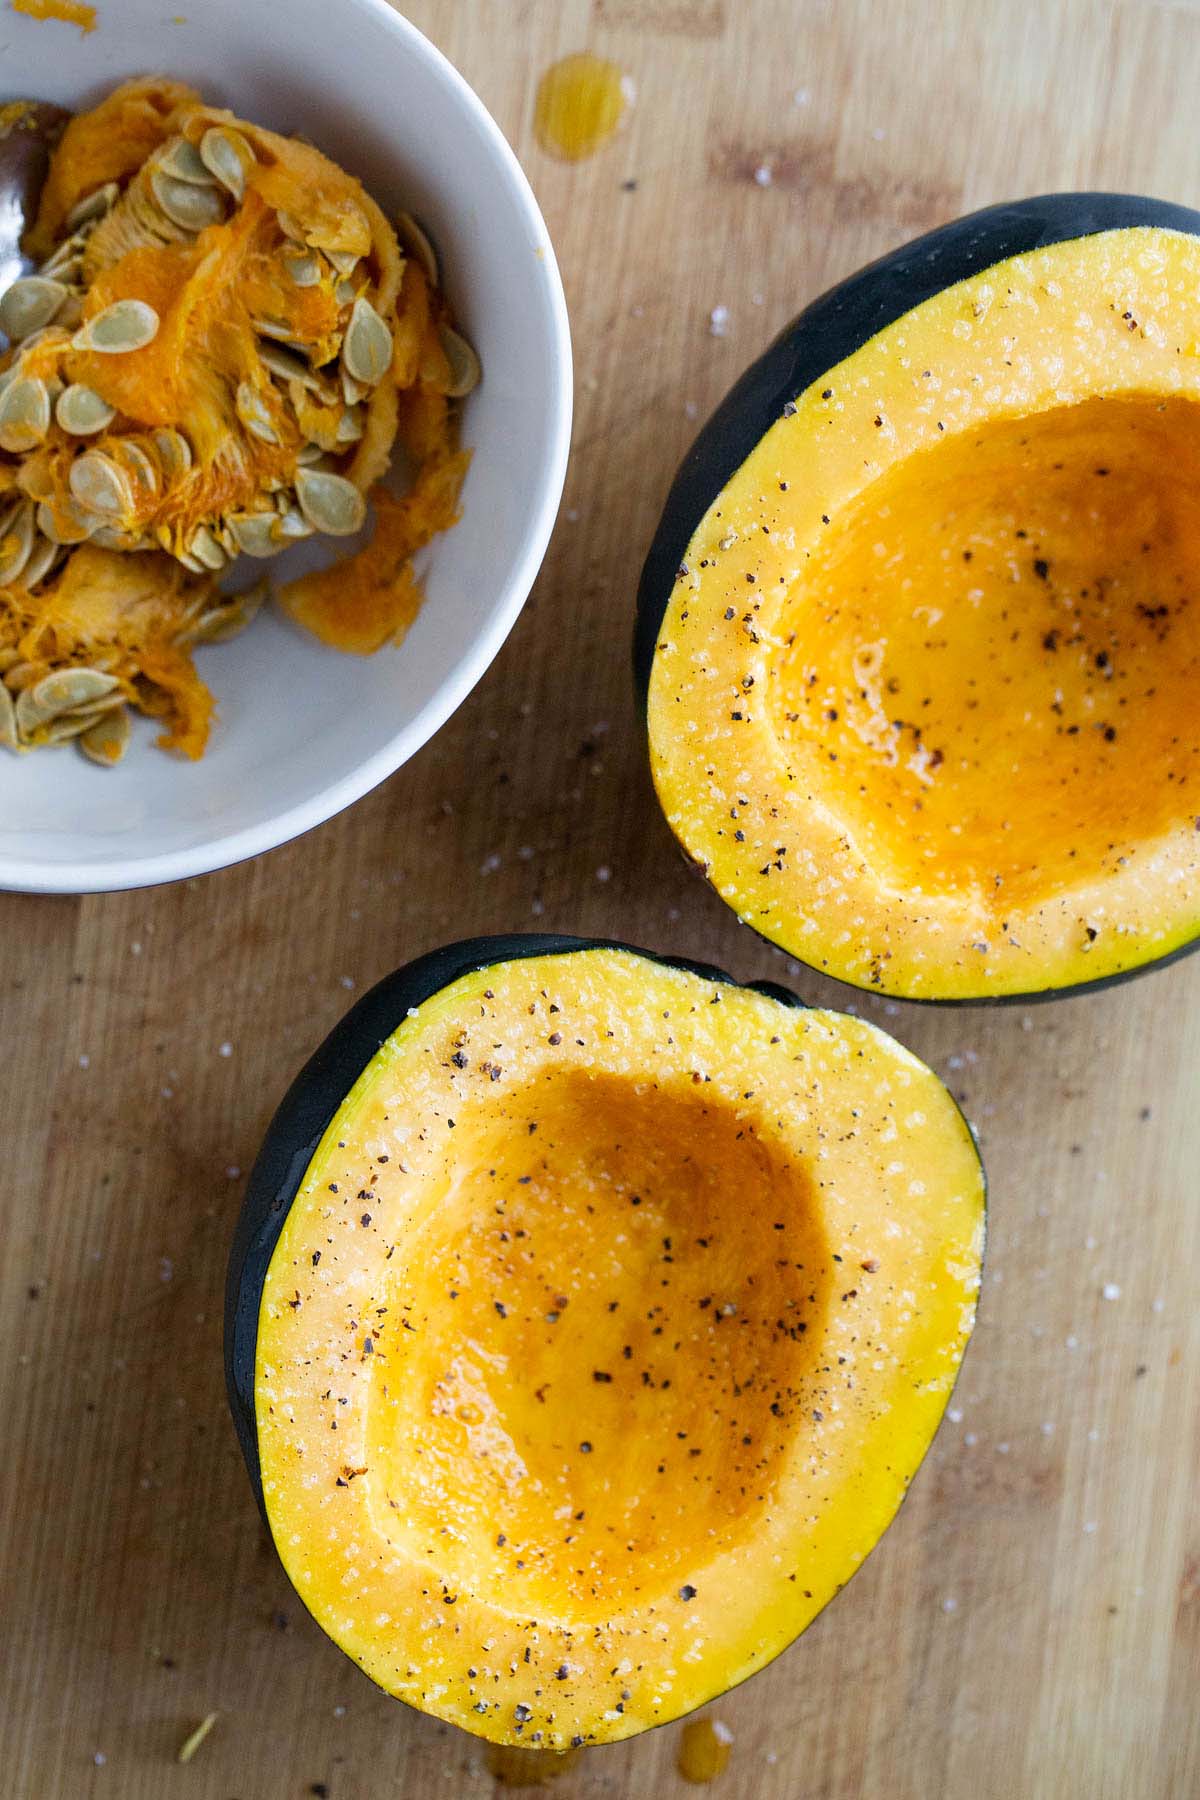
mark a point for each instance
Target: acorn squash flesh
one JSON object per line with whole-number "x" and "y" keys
{"x": 921, "y": 699}
{"x": 604, "y": 1332}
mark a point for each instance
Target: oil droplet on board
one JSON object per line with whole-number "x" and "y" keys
{"x": 515, "y": 1767}
{"x": 580, "y": 102}
{"x": 704, "y": 1747}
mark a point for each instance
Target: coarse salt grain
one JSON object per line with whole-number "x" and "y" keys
{"x": 762, "y": 175}
{"x": 85, "y": 1062}
{"x": 955, "y": 1415}
{"x": 604, "y": 873}
{"x": 347, "y": 981}
{"x": 718, "y": 322}
{"x": 1111, "y": 1290}
{"x": 226, "y": 1049}
{"x": 949, "y": 1604}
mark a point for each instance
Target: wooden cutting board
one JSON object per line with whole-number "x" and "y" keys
{"x": 1030, "y": 1628}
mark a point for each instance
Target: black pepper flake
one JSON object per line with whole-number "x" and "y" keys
{"x": 585, "y": 1449}
{"x": 316, "y": 1257}
{"x": 555, "y": 1037}
{"x": 366, "y": 1219}
{"x": 562, "y": 1673}
{"x": 827, "y": 393}
{"x": 500, "y": 1308}
{"x": 601, "y": 1375}
{"x": 687, "y": 1591}
{"x": 789, "y": 409}
{"x": 459, "y": 1059}
{"x": 1041, "y": 568}
{"x": 319, "y": 1789}
{"x": 521, "y": 1712}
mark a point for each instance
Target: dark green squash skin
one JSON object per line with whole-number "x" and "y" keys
{"x": 832, "y": 328}
{"x": 313, "y": 1099}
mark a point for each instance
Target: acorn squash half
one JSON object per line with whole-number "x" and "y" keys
{"x": 919, "y": 633}
{"x": 588, "y": 1317}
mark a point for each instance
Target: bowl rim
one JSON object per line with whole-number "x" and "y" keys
{"x": 32, "y": 875}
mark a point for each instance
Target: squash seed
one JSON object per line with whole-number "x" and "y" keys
{"x": 275, "y": 328}
{"x": 367, "y": 346}
{"x": 185, "y": 204}
{"x": 100, "y": 486}
{"x": 24, "y": 414}
{"x": 66, "y": 258}
{"x": 465, "y": 369}
{"x": 111, "y": 537}
{"x": 8, "y": 720}
{"x": 345, "y": 293}
{"x": 68, "y": 688}
{"x": 352, "y": 391}
{"x": 105, "y": 742}
{"x": 309, "y": 453}
{"x": 291, "y": 227}
{"x": 221, "y": 623}
{"x": 292, "y": 525}
{"x": 206, "y": 549}
{"x": 128, "y": 454}
{"x": 252, "y": 410}
{"x": 64, "y": 522}
{"x": 16, "y": 542}
{"x": 65, "y": 726}
{"x": 80, "y": 410}
{"x": 329, "y": 502}
{"x": 256, "y": 533}
{"x": 42, "y": 560}
{"x": 123, "y": 326}
{"x": 416, "y": 242}
{"x": 29, "y": 304}
{"x": 303, "y": 269}
{"x": 350, "y": 426}
{"x": 227, "y": 155}
{"x": 183, "y": 162}
{"x": 174, "y": 453}
{"x": 93, "y": 206}
{"x": 289, "y": 366}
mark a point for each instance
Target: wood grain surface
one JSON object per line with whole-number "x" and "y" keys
{"x": 1030, "y": 1627}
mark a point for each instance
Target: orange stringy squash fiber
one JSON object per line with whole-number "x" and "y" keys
{"x": 221, "y": 347}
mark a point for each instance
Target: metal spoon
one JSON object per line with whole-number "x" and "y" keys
{"x": 29, "y": 130}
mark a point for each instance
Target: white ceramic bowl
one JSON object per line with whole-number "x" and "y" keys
{"x": 303, "y": 731}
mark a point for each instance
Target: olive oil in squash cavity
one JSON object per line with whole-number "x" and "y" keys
{"x": 581, "y": 100}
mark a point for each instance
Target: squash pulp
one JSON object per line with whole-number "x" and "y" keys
{"x": 603, "y": 1335}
